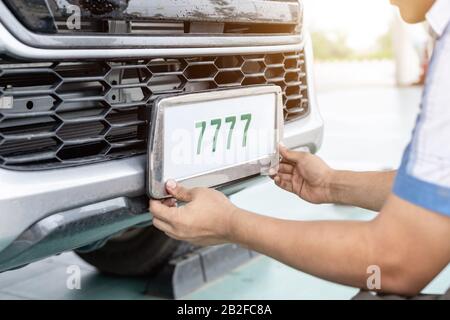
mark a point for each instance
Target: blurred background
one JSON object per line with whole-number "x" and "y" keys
{"x": 365, "y": 43}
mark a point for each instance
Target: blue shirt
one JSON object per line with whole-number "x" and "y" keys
{"x": 424, "y": 175}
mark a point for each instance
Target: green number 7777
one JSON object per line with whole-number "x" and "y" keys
{"x": 217, "y": 123}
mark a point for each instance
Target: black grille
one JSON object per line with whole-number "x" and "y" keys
{"x": 71, "y": 113}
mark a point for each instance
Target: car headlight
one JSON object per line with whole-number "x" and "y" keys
{"x": 41, "y": 16}
{"x": 34, "y": 14}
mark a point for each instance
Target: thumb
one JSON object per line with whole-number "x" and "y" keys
{"x": 178, "y": 191}
{"x": 287, "y": 154}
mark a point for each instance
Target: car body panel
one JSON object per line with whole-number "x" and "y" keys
{"x": 35, "y": 199}
{"x": 16, "y": 39}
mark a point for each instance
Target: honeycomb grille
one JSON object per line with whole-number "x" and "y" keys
{"x": 71, "y": 113}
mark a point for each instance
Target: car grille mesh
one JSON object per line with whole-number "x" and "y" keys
{"x": 71, "y": 113}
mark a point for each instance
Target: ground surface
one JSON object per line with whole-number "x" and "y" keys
{"x": 367, "y": 127}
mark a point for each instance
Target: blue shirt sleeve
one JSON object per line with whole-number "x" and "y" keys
{"x": 421, "y": 193}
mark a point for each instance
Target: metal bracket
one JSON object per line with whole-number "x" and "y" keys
{"x": 187, "y": 273}
{"x": 6, "y": 102}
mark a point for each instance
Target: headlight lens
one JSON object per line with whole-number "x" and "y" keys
{"x": 42, "y": 15}
{"x": 146, "y": 16}
{"x": 34, "y": 14}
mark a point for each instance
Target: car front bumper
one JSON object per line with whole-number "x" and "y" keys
{"x": 39, "y": 199}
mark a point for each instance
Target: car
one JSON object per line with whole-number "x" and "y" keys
{"x": 82, "y": 85}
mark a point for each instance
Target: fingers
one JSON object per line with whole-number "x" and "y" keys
{"x": 170, "y": 202}
{"x": 178, "y": 191}
{"x": 284, "y": 184}
{"x": 174, "y": 236}
{"x": 286, "y": 168}
{"x": 157, "y": 207}
{"x": 162, "y": 211}
{"x": 290, "y": 157}
{"x": 285, "y": 176}
{"x": 287, "y": 154}
{"x": 162, "y": 225}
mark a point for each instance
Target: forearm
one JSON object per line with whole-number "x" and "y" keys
{"x": 367, "y": 190}
{"x": 336, "y": 251}
{"x": 409, "y": 244}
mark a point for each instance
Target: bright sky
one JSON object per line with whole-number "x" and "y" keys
{"x": 362, "y": 20}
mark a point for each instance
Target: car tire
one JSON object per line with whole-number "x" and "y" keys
{"x": 140, "y": 254}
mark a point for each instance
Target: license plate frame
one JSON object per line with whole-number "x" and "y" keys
{"x": 215, "y": 178}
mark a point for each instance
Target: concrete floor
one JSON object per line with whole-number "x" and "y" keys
{"x": 366, "y": 128}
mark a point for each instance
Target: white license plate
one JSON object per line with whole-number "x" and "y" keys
{"x": 212, "y": 138}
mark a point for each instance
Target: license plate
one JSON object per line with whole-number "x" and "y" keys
{"x": 212, "y": 138}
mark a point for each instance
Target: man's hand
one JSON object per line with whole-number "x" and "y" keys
{"x": 310, "y": 178}
{"x": 305, "y": 175}
{"x": 205, "y": 219}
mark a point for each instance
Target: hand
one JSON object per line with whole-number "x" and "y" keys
{"x": 204, "y": 220}
{"x": 305, "y": 175}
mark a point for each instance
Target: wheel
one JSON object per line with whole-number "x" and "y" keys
{"x": 137, "y": 252}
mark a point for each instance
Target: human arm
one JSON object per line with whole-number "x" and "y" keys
{"x": 368, "y": 190}
{"x": 310, "y": 178}
{"x": 408, "y": 243}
